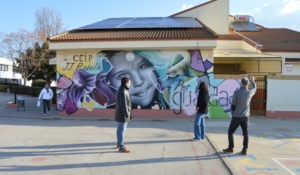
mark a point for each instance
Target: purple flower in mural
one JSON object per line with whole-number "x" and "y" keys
{"x": 197, "y": 61}
{"x": 63, "y": 100}
{"x": 83, "y": 84}
{"x": 63, "y": 82}
{"x": 103, "y": 93}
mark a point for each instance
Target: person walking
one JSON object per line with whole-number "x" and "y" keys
{"x": 46, "y": 94}
{"x": 202, "y": 110}
{"x": 240, "y": 109}
{"x": 123, "y": 112}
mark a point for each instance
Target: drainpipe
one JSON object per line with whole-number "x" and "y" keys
{"x": 256, "y": 44}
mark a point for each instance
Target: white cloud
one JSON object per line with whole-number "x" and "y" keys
{"x": 266, "y": 5}
{"x": 289, "y": 6}
{"x": 185, "y": 6}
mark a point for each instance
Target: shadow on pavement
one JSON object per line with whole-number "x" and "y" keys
{"x": 106, "y": 164}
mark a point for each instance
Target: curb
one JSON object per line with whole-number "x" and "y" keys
{"x": 136, "y": 119}
{"x": 224, "y": 160}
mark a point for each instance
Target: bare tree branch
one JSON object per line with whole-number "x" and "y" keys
{"x": 48, "y": 22}
{"x": 21, "y": 47}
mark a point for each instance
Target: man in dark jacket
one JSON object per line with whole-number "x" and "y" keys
{"x": 123, "y": 112}
{"x": 240, "y": 109}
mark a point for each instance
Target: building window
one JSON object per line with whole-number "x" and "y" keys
{"x": 292, "y": 60}
{"x": 3, "y": 67}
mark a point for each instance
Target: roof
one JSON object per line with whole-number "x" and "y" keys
{"x": 135, "y": 34}
{"x": 272, "y": 40}
{"x": 193, "y": 7}
{"x": 143, "y": 22}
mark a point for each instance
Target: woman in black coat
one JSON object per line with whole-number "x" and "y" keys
{"x": 202, "y": 110}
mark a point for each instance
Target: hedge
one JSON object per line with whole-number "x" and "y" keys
{"x": 3, "y": 88}
{"x": 39, "y": 83}
{"x": 32, "y": 91}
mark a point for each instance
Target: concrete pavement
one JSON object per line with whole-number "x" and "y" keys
{"x": 84, "y": 145}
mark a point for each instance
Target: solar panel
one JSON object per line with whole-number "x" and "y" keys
{"x": 107, "y": 23}
{"x": 143, "y": 23}
{"x": 179, "y": 22}
{"x": 250, "y": 26}
{"x": 244, "y": 26}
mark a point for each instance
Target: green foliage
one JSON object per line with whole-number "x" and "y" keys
{"x": 19, "y": 89}
{"x": 45, "y": 71}
{"x": 39, "y": 83}
{"x": 3, "y": 88}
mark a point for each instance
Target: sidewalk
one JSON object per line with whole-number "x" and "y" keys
{"x": 274, "y": 144}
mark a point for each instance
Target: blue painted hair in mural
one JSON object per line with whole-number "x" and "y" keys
{"x": 151, "y": 72}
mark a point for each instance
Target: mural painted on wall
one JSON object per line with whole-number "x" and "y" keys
{"x": 165, "y": 80}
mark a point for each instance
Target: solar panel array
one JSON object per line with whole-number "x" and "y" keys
{"x": 244, "y": 26}
{"x": 152, "y": 22}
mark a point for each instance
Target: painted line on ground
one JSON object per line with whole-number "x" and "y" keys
{"x": 283, "y": 165}
{"x": 277, "y": 146}
{"x": 196, "y": 155}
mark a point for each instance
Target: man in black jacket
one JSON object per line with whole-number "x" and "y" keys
{"x": 123, "y": 112}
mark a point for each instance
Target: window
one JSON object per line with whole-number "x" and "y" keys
{"x": 292, "y": 60}
{"x": 3, "y": 67}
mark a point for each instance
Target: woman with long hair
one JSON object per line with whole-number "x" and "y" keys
{"x": 202, "y": 110}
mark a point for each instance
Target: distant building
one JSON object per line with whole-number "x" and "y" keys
{"x": 6, "y": 72}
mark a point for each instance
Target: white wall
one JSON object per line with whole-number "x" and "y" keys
{"x": 214, "y": 15}
{"x": 295, "y": 67}
{"x": 248, "y": 47}
{"x": 9, "y": 74}
{"x": 229, "y": 44}
{"x": 283, "y": 95}
{"x": 142, "y": 45}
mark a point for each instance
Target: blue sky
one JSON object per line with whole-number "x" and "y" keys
{"x": 16, "y": 14}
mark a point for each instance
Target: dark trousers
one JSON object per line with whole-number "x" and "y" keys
{"x": 46, "y": 103}
{"x": 234, "y": 124}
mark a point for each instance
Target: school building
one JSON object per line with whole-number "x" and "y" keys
{"x": 166, "y": 58}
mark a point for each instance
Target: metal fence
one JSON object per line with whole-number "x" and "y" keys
{"x": 259, "y": 100}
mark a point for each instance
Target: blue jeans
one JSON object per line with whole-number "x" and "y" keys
{"x": 46, "y": 103}
{"x": 199, "y": 126}
{"x": 120, "y": 133}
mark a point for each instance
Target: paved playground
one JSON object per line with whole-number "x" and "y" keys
{"x": 32, "y": 144}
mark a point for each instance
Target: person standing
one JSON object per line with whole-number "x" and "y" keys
{"x": 240, "y": 109}
{"x": 202, "y": 110}
{"x": 46, "y": 94}
{"x": 123, "y": 112}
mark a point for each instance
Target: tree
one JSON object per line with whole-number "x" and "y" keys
{"x": 14, "y": 44}
{"x": 22, "y": 47}
{"x": 48, "y": 22}
{"x": 46, "y": 71}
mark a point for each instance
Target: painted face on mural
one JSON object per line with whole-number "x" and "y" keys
{"x": 143, "y": 79}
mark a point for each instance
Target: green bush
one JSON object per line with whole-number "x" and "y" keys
{"x": 29, "y": 90}
{"x": 32, "y": 91}
{"x": 54, "y": 95}
{"x": 19, "y": 90}
{"x": 39, "y": 83}
{"x": 36, "y": 91}
{"x": 3, "y": 88}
